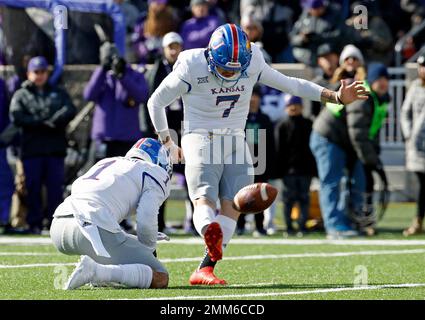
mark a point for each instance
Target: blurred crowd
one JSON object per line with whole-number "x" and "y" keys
{"x": 338, "y": 145}
{"x": 301, "y": 26}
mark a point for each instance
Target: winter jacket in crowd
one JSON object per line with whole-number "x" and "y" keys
{"x": 413, "y": 126}
{"x": 196, "y": 32}
{"x": 329, "y": 28}
{"x": 293, "y": 151}
{"x": 255, "y": 122}
{"x": 353, "y": 128}
{"x": 116, "y": 117}
{"x": 42, "y": 117}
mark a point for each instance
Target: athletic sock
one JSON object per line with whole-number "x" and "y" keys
{"x": 203, "y": 215}
{"x": 206, "y": 261}
{"x": 228, "y": 226}
{"x": 131, "y": 275}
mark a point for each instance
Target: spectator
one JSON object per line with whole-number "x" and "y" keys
{"x": 215, "y": 10}
{"x": 42, "y": 111}
{"x": 351, "y": 65}
{"x": 150, "y": 29}
{"x": 276, "y": 18}
{"x": 375, "y": 112}
{"x": 196, "y": 32}
{"x": 254, "y": 31}
{"x": 318, "y": 23}
{"x": 413, "y": 127}
{"x": 117, "y": 90}
{"x": 297, "y": 166}
{"x": 376, "y": 40}
{"x": 255, "y": 122}
{"x": 339, "y": 139}
{"x": 6, "y": 177}
{"x": 327, "y": 60}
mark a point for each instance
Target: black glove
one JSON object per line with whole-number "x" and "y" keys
{"x": 118, "y": 66}
{"x": 107, "y": 52}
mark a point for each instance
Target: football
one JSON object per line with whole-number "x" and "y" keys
{"x": 254, "y": 198}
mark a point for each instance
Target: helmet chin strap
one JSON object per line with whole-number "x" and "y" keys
{"x": 225, "y": 83}
{"x": 222, "y": 82}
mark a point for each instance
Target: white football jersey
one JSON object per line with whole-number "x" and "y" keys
{"x": 210, "y": 106}
{"x": 207, "y": 104}
{"x": 114, "y": 188}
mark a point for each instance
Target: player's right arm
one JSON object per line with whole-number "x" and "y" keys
{"x": 176, "y": 84}
{"x": 154, "y": 193}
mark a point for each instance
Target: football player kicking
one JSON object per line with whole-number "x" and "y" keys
{"x": 215, "y": 85}
{"x": 87, "y": 222}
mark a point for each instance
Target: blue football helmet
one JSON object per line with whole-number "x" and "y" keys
{"x": 151, "y": 150}
{"x": 229, "y": 49}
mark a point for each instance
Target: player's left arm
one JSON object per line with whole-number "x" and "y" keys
{"x": 309, "y": 90}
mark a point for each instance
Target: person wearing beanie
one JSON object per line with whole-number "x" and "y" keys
{"x": 298, "y": 167}
{"x": 328, "y": 61}
{"x": 351, "y": 65}
{"x": 351, "y": 51}
{"x": 413, "y": 128}
{"x": 347, "y": 137}
{"x": 42, "y": 111}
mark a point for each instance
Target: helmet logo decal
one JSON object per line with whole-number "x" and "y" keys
{"x": 218, "y": 45}
{"x": 138, "y": 143}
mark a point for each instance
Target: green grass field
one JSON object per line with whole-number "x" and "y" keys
{"x": 265, "y": 268}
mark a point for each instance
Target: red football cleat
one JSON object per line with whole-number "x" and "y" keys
{"x": 205, "y": 276}
{"x": 213, "y": 238}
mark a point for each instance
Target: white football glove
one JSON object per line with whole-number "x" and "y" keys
{"x": 176, "y": 153}
{"x": 162, "y": 236}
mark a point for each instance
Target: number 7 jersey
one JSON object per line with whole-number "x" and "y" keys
{"x": 208, "y": 104}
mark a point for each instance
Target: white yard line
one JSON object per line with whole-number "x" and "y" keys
{"x": 256, "y": 257}
{"x": 306, "y": 255}
{"x": 28, "y": 254}
{"x": 6, "y": 240}
{"x": 36, "y": 265}
{"x": 292, "y": 293}
{"x": 262, "y": 241}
